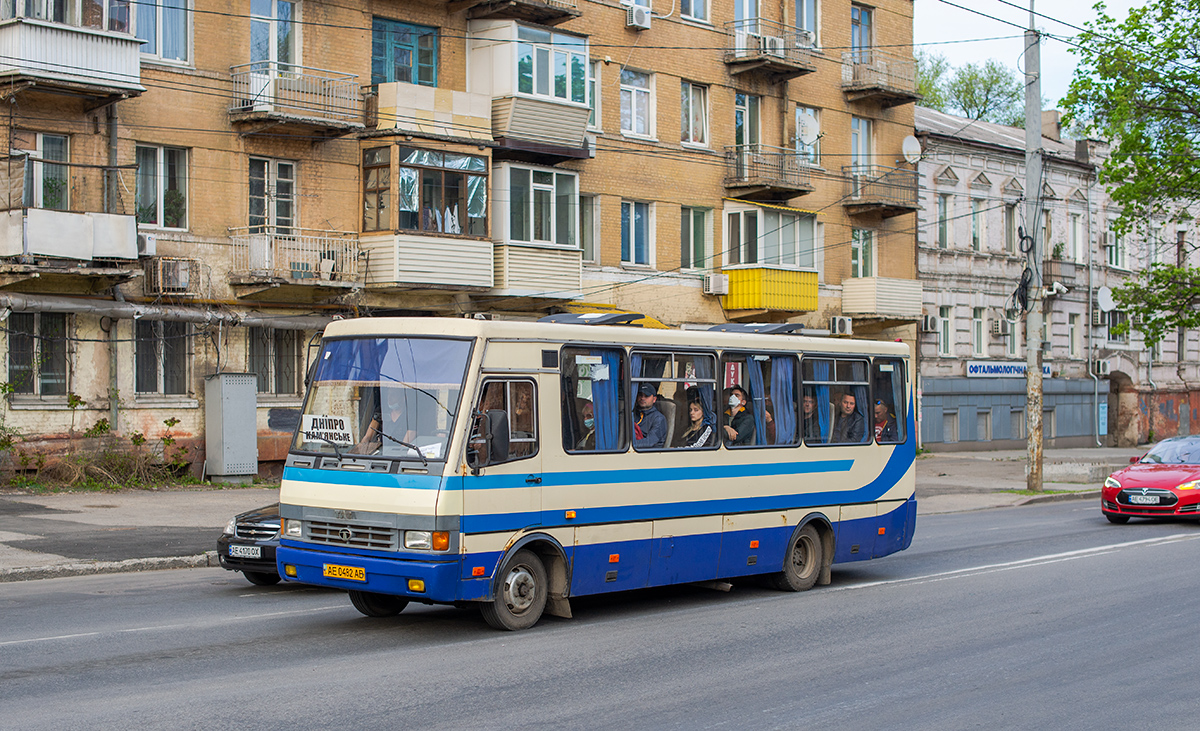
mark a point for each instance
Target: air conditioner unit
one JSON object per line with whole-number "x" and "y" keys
{"x": 637, "y": 16}
{"x": 805, "y": 39}
{"x": 172, "y": 276}
{"x": 1103, "y": 368}
{"x": 1110, "y": 240}
{"x": 1099, "y": 318}
{"x": 147, "y": 244}
{"x": 1000, "y": 328}
{"x": 771, "y": 45}
{"x": 841, "y": 326}
{"x": 716, "y": 284}
{"x": 930, "y": 324}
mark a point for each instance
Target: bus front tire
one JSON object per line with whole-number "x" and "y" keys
{"x": 521, "y": 594}
{"x": 802, "y": 562}
{"x": 377, "y": 605}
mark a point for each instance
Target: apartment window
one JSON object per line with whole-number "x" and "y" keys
{"x": 862, "y": 253}
{"x": 983, "y": 426}
{"x": 403, "y": 52}
{"x": 589, "y": 228}
{"x": 162, "y": 26}
{"x": 860, "y": 142}
{"x": 808, "y": 152}
{"x": 862, "y": 23}
{"x": 377, "y": 186}
{"x": 551, "y": 65}
{"x": 1047, "y": 229}
{"x": 593, "y": 94}
{"x": 946, "y": 325}
{"x": 694, "y": 9}
{"x": 694, "y": 230}
{"x": 1076, "y": 245}
{"x": 978, "y": 332}
{"x": 275, "y": 357}
{"x": 37, "y": 353}
{"x": 162, "y": 186}
{"x": 273, "y": 195}
{"x": 745, "y": 15}
{"x": 1014, "y": 337}
{"x": 1074, "y": 336}
{"x": 943, "y": 214}
{"x": 768, "y": 236}
{"x": 542, "y": 206}
{"x": 160, "y": 355}
{"x": 977, "y": 224}
{"x": 693, "y": 113}
{"x": 745, "y": 119}
{"x": 637, "y": 243}
{"x": 441, "y": 192}
{"x": 1116, "y": 250}
{"x": 806, "y": 20}
{"x": 46, "y": 185}
{"x": 273, "y": 35}
{"x": 1117, "y": 317}
{"x": 1010, "y": 228}
{"x": 636, "y": 98}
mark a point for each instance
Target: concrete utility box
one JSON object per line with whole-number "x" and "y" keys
{"x": 231, "y": 426}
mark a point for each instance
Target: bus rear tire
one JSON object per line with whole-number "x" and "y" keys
{"x": 377, "y": 605}
{"x": 521, "y": 594}
{"x": 802, "y": 562}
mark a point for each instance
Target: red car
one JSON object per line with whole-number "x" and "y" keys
{"x": 1164, "y": 482}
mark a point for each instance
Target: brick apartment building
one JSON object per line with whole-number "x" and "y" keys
{"x": 194, "y": 186}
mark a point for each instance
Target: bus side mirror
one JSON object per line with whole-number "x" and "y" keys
{"x": 494, "y": 434}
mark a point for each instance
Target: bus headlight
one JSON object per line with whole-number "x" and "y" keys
{"x": 418, "y": 539}
{"x": 293, "y": 528}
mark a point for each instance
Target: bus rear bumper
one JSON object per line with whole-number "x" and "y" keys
{"x": 396, "y": 576}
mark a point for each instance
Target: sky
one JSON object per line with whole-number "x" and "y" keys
{"x": 937, "y": 21}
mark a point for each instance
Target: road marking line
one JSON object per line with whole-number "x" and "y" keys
{"x": 1024, "y": 563}
{"x": 44, "y": 639}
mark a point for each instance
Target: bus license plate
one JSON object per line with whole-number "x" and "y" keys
{"x": 354, "y": 573}
{"x": 1144, "y": 499}
{"x": 245, "y": 551}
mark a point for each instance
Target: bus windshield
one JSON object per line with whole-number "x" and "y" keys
{"x": 387, "y": 397}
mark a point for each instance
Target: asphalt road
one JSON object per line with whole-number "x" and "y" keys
{"x": 1040, "y": 617}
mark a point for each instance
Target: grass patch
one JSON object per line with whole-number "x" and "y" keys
{"x": 1031, "y": 493}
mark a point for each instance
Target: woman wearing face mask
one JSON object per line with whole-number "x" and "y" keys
{"x": 698, "y": 433}
{"x": 588, "y": 441}
{"x": 739, "y": 427}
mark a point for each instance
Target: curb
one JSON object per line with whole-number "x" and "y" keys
{"x": 203, "y": 560}
{"x": 1061, "y": 497}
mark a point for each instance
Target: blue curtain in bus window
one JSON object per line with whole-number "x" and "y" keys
{"x": 352, "y": 360}
{"x": 635, "y": 368}
{"x": 758, "y": 399}
{"x": 821, "y": 373}
{"x": 707, "y": 391}
{"x": 604, "y": 401}
{"x": 783, "y": 398}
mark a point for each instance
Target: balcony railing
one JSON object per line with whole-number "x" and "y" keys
{"x": 267, "y": 87}
{"x": 1059, "y": 270}
{"x": 782, "y": 51}
{"x": 71, "y": 58}
{"x": 891, "y": 191}
{"x": 302, "y": 255}
{"x": 871, "y": 73}
{"x": 772, "y": 169}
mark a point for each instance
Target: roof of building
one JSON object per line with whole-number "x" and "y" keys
{"x": 931, "y": 121}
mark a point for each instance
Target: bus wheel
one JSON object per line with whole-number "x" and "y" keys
{"x": 521, "y": 595}
{"x": 377, "y": 605}
{"x": 802, "y": 563}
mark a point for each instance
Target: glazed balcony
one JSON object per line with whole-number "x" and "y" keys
{"x": 777, "y": 51}
{"x": 278, "y": 96}
{"x": 292, "y": 264}
{"x": 758, "y": 287}
{"x": 758, "y": 171}
{"x": 879, "y": 189}
{"x": 68, "y": 59}
{"x": 871, "y": 74}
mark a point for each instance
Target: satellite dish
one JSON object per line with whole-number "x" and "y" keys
{"x": 911, "y": 147}
{"x": 807, "y": 128}
{"x": 1105, "y": 299}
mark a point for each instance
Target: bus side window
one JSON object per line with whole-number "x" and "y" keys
{"x": 595, "y": 405}
{"x": 766, "y": 387}
{"x": 889, "y": 414}
{"x": 516, "y": 399}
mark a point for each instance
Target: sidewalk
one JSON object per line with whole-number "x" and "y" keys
{"x": 71, "y": 534}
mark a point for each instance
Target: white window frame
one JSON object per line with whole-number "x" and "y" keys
{"x": 272, "y": 21}
{"x": 687, "y": 114}
{"x": 857, "y": 41}
{"x": 688, "y": 9}
{"x": 808, "y": 154}
{"x": 768, "y": 222}
{"x": 750, "y": 107}
{"x": 946, "y": 330}
{"x": 687, "y": 238}
{"x": 546, "y": 52}
{"x": 35, "y": 171}
{"x": 808, "y": 18}
{"x": 861, "y": 142}
{"x": 1117, "y": 256}
{"x": 589, "y": 227}
{"x": 979, "y": 332}
{"x": 1014, "y": 337}
{"x": 862, "y": 253}
{"x": 943, "y": 221}
{"x": 1074, "y": 335}
{"x": 159, "y": 27}
{"x": 595, "y": 120}
{"x": 110, "y": 20}
{"x": 633, "y": 97}
{"x": 632, "y": 206}
{"x": 1010, "y": 228}
{"x": 1075, "y": 231}
{"x": 978, "y": 225}
{"x": 503, "y": 202}
{"x": 272, "y": 197}
{"x": 160, "y": 181}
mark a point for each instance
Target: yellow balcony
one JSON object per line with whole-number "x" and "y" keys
{"x": 771, "y": 288}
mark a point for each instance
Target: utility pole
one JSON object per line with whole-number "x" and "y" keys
{"x": 1036, "y": 260}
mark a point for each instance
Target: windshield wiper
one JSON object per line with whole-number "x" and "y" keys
{"x": 330, "y": 442}
{"x": 413, "y": 447}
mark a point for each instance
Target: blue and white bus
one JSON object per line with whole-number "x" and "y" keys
{"x": 515, "y": 465}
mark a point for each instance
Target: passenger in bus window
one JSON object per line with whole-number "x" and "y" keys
{"x": 650, "y": 426}
{"x": 885, "y": 424}
{"x": 812, "y": 423}
{"x": 587, "y": 418}
{"x": 849, "y": 428}
{"x": 389, "y": 419}
{"x": 739, "y": 429}
{"x": 698, "y": 433}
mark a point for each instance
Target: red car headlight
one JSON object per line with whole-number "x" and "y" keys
{"x": 1113, "y": 482}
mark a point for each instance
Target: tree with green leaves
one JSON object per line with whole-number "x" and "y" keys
{"x": 1137, "y": 85}
{"x": 989, "y": 91}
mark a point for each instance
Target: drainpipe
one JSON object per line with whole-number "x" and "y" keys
{"x": 110, "y": 193}
{"x": 1090, "y": 329}
{"x": 114, "y": 401}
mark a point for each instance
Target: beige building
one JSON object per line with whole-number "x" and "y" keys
{"x": 195, "y": 187}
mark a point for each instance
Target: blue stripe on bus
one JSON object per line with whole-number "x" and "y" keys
{"x": 368, "y": 479}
